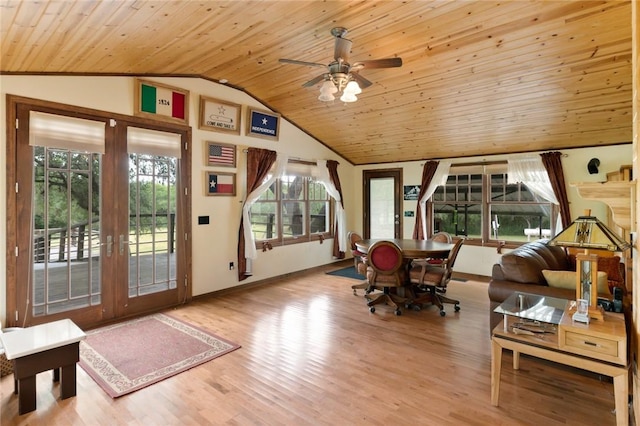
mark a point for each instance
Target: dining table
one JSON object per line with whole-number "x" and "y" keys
{"x": 411, "y": 249}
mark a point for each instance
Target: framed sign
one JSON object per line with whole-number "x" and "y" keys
{"x": 220, "y": 154}
{"x": 263, "y": 124}
{"x": 411, "y": 192}
{"x": 220, "y": 116}
{"x": 161, "y": 102}
{"x": 220, "y": 183}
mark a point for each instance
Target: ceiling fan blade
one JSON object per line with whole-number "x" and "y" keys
{"x": 314, "y": 81}
{"x": 362, "y": 82}
{"x": 342, "y": 50}
{"x": 309, "y": 64}
{"x": 378, "y": 63}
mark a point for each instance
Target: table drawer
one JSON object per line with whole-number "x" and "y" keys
{"x": 591, "y": 343}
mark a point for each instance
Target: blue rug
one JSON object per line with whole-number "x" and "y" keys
{"x": 349, "y": 272}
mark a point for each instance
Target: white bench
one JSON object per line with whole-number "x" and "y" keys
{"x": 535, "y": 232}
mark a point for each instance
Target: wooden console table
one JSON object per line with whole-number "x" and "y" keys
{"x": 600, "y": 347}
{"x": 52, "y": 346}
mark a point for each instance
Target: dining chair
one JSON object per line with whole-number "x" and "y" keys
{"x": 359, "y": 262}
{"x": 386, "y": 272}
{"x": 426, "y": 278}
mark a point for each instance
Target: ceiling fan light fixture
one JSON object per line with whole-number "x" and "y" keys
{"x": 348, "y": 97}
{"x": 352, "y": 88}
{"x": 327, "y": 90}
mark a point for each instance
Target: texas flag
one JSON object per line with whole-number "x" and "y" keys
{"x": 221, "y": 184}
{"x": 162, "y": 101}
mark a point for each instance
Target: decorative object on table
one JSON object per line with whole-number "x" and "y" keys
{"x": 220, "y": 154}
{"x": 263, "y": 124}
{"x": 219, "y": 116}
{"x": 220, "y": 183}
{"x": 161, "y": 102}
{"x": 588, "y": 232}
{"x": 131, "y": 355}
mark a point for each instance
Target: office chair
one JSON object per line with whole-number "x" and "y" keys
{"x": 385, "y": 271}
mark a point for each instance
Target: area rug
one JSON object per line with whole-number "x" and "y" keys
{"x": 129, "y": 356}
{"x": 349, "y": 272}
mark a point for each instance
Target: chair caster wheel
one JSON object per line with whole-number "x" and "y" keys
{"x": 442, "y": 313}
{"x": 398, "y": 312}
{"x": 416, "y": 308}
{"x": 372, "y": 309}
{"x": 355, "y": 293}
{"x": 457, "y": 308}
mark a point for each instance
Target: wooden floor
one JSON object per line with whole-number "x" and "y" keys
{"x": 312, "y": 354}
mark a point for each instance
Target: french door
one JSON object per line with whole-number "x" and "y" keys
{"x": 382, "y": 203}
{"x": 100, "y": 217}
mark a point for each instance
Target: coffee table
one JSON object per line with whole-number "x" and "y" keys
{"x": 542, "y": 327}
{"x": 51, "y": 346}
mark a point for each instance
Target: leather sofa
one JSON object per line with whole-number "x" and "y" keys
{"x": 521, "y": 270}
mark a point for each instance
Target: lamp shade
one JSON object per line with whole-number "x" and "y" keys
{"x": 589, "y": 233}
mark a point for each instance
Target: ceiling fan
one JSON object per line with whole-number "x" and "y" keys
{"x": 342, "y": 76}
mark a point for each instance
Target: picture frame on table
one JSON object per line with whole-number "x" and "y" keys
{"x": 219, "y": 116}
{"x": 220, "y": 154}
{"x": 263, "y": 124}
{"x": 220, "y": 183}
{"x": 161, "y": 102}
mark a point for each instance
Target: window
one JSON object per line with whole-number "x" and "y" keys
{"x": 484, "y": 206}
{"x": 295, "y": 208}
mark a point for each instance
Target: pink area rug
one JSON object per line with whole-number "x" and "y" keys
{"x": 128, "y": 356}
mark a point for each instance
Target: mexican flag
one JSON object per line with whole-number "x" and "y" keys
{"x": 161, "y": 101}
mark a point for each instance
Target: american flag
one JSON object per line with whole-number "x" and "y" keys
{"x": 222, "y": 154}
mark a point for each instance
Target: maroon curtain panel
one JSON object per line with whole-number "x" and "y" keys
{"x": 332, "y": 166}
{"x": 259, "y": 162}
{"x": 553, "y": 164}
{"x": 428, "y": 171}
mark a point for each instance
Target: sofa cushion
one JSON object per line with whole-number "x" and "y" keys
{"x": 525, "y": 264}
{"x": 567, "y": 279}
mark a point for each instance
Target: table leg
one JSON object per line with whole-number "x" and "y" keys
{"x": 516, "y": 360}
{"x": 496, "y": 365}
{"x": 27, "y": 394}
{"x": 56, "y": 374}
{"x": 620, "y": 391}
{"x": 68, "y": 385}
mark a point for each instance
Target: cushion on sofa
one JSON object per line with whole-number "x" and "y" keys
{"x": 567, "y": 279}
{"x": 525, "y": 264}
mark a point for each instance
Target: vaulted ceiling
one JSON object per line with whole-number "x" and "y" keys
{"x": 478, "y": 77}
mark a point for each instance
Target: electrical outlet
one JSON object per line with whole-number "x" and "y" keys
{"x": 230, "y": 266}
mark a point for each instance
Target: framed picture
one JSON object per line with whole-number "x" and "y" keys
{"x": 411, "y": 192}
{"x": 220, "y": 116}
{"x": 263, "y": 124}
{"x": 220, "y": 183}
{"x": 220, "y": 154}
{"x": 161, "y": 102}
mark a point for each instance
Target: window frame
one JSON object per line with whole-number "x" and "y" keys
{"x": 307, "y": 236}
{"x": 486, "y": 171}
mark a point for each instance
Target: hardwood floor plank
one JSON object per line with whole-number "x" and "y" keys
{"x": 313, "y": 354}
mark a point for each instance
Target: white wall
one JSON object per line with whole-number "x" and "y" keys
{"x": 213, "y": 245}
{"x": 479, "y": 260}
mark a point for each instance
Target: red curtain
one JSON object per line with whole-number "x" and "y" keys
{"x": 428, "y": 172}
{"x": 259, "y": 162}
{"x": 332, "y": 166}
{"x": 553, "y": 164}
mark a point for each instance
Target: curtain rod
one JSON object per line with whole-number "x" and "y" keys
{"x": 294, "y": 160}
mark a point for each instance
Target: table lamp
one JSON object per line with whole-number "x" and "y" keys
{"x": 588, "y": 232}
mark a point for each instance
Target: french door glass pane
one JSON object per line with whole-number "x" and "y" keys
{"x": 151, "y": 241}
{"x": 65, "y": 230}
{"x": 381, "y": 208}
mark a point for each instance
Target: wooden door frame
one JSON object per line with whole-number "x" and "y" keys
{"x": 16, "y": 314}
{"x": 367, "y": 175}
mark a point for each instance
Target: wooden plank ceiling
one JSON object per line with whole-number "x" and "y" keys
{"x": 478, "y": 77}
